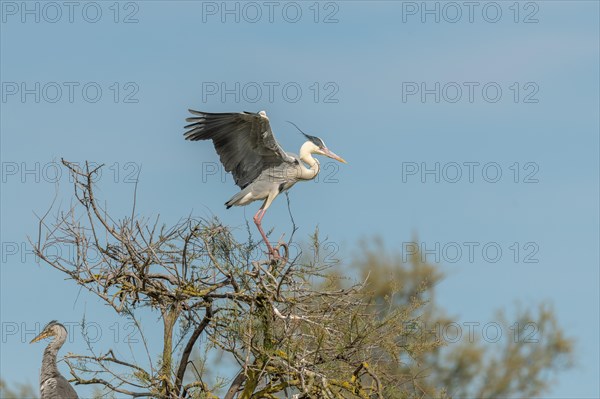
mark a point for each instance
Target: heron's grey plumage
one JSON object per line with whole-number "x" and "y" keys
{"x": 272, "y": 180}
{"x": 52, "y": 384}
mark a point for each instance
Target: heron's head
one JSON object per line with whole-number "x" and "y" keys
{"x": 319, "y": 147}
{"x": 52, "y": 329}
{"x": 316, "y": 145}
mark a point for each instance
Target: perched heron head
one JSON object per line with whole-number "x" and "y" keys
{"x": 319, "y": 146}
{"x": 52, "y": 329}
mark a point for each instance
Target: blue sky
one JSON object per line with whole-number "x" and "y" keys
{"x": 354, "y": 74}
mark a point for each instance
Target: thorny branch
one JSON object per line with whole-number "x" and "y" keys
{"x": 289, "y": 330}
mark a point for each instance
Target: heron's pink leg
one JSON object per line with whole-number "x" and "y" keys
{"x": 258, "y": 220}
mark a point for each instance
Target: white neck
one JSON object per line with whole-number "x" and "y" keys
{"x": 306, "y": 156}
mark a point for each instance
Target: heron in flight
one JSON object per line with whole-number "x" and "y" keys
{"x": 260, "y": 167}
{"x": 52, "y": 384}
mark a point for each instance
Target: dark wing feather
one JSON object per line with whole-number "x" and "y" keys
{"x": 244, "y": 142}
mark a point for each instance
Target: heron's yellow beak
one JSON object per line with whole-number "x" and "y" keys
{"x": 44, "y": 334}
{"x": 331, "y": 155}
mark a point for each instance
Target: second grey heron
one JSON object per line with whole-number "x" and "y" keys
{"x": 52, "y": 384}
{"x": 260, "y": 167}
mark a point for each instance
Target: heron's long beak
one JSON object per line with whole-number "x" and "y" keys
{"x": 331, "y": 155}
{"x": 43, "y": 335}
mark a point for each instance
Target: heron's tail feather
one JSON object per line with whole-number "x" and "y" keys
{"x": 241, "y": 198}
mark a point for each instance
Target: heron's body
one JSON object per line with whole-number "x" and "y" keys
{"x": 277, "y": 179}
{"x": 52, "y": 384}
{"x": 248, "y": 149}
{"x": 57, "y": 388}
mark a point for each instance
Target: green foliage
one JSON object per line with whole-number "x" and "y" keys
{"x": 18, "y": 391}
{"x": 532, "y": 350}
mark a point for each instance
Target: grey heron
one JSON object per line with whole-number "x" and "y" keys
{"x": 247, "y": 148}
{"x": 52, "y": 384}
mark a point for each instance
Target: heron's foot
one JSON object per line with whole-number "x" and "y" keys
{"x": 273, "y": 253}
{"x": 276, "y": 253}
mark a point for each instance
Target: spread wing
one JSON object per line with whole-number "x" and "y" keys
{"x": 244, "y": 142}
